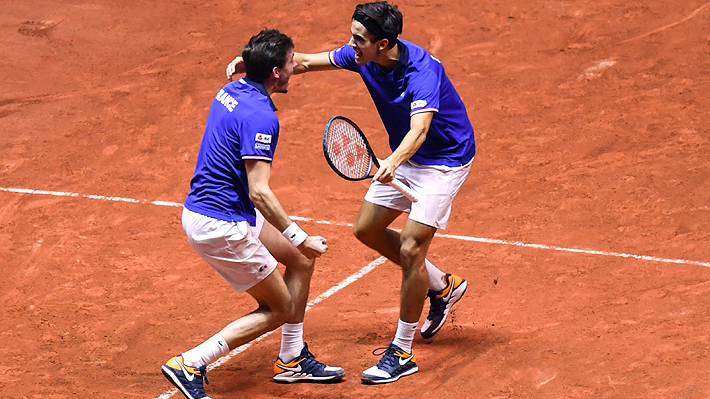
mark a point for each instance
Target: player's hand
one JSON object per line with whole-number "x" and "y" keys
{"x": 313, "y": 247}
{"x": 235, "y": 67}
{"x": 385, "y": 173}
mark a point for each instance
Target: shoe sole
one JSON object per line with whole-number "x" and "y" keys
{"x": 370, "y": 381}
{"x": 313, "y": 380}
{"x": 283, "y": 378}
{"x": 168, "y": 373}
{"x": 456, "y": 296}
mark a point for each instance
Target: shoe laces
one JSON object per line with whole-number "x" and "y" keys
{"x": 389, "y": 358}
{"x": 436, "y": 304}
{"x": 203, "y": 372}
{"x": 310, "y": 359}
{"x": 308, "y": 354}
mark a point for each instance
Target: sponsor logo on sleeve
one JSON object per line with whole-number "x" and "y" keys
{"x": 263, "y": 138}
{"x": 418, "y": 104}
{"x": 259, "y": 146}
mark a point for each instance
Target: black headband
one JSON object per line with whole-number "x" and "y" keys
{"x": 373, "y": 27}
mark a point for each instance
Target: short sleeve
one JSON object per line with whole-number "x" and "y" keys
{"x": 425, "y": 88}
{"x": 258, "y": 137}
{"x": 343, "y": 57}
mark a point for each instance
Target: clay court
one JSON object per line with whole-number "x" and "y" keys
{"x": 582, "y": 229}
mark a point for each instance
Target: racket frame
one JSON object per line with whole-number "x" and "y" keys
{"x": 397, "y": 184}
{"x": 373, "y": 158}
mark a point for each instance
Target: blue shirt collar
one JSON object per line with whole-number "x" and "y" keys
{"x": 401, "y": 68}
{"x": 262, "y": 90}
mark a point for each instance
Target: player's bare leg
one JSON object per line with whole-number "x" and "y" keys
{"x": 188, "y": 371}
{"x": 275, "y": 308}
{"x": 299, "y": 269}
{"x": 372, "y": 229}
{"x": 295, "y": 362}
{"x": 415, "y": 239}
{"x": 409, "y": 251}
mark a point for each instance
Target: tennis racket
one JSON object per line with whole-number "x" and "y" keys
{"x": 349, "y": 154}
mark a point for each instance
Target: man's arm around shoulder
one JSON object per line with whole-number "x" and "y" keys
{"x": 304, "y": 63}
{"x": 312, "y": 62}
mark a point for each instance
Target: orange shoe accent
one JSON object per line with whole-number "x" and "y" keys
{"x": 292, "y": 363}
{"x": 454, "y": 281}
{"x": 174, "y": 363}
{"x": 405, "y": 355}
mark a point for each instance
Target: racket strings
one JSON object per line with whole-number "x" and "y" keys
{"x": 347, "y": 150}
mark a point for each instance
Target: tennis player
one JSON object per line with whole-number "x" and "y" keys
{"x": 432, "y": 145}
{"x": 238, "y": 226}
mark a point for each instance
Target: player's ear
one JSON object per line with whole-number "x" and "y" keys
{"x": 383, "y": 44}
{"x": 276, "y": 72}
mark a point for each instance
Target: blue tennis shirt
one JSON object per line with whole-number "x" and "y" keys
{"x": 417, "y": 84}
{"x": 241, "y": 125}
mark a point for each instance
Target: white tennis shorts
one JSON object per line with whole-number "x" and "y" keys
{"x": 233, "y": 249}
{"x": 437, "y": 185}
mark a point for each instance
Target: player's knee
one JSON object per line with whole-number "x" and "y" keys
{"x": 307, "y": 265}
{"x": 289, "y": 313}
{"x": 409, "y": 250}
{"x": 301, "y": 264}
{"x": 362, "y": 232}
{"x": 283, "y": 312}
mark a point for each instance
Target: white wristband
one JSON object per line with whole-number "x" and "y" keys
{"x": 294, "y": 234}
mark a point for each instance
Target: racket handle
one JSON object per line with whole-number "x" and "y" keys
{"x": 405, "y": 190}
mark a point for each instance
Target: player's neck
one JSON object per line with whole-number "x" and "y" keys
{"x": 389, "y": 58}
{"x": 270, "y": 85}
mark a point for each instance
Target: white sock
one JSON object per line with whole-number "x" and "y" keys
{"x": 291, "y": 341}
{"x": 206, "y": 352}
{"x": 405, "y": 335}
{"x": 436, "y": 277}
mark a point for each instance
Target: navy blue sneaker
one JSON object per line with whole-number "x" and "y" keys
{"x": 440, "y": 302}
{"x": 395, "y": 363}
{"x": 305, "y": 368}
{"x": 189, "y": 380}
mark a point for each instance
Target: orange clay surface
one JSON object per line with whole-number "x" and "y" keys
{"x": 592, "y": 127}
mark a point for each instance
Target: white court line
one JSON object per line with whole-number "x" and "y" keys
{"x": 320, "y": 298}
{"x": 98, "y": 197}
{"x": 575, "y": 250}
{"x": 349, "y": 280}
{"x": 662, "y": 28}
{"x": 451, "y": 236}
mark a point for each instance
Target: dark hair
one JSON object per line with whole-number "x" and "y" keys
{"x": 380, "y": 18}
{"x": 266, "y": 50}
